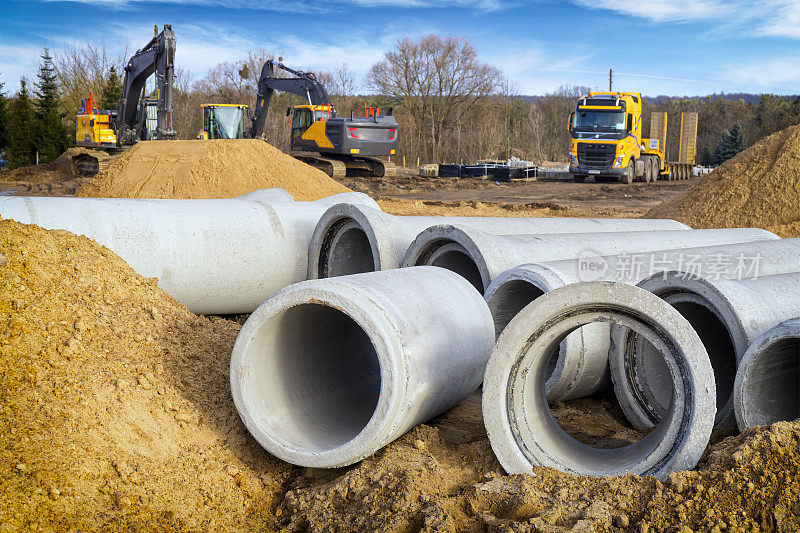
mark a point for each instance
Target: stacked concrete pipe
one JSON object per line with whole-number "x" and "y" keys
{"x": 727, "y": 314}
{"x": 767, "y": 386}
{"x": 326, "y": 372}
{"x": 521, "y": 428}
{"x": 582, "y": 366}
{"x": 351, "y": 239}
{"x": 214, "y": 256}
{"x": 480, "y": 257}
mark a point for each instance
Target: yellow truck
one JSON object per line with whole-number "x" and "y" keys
{"x": 607, "y": 142}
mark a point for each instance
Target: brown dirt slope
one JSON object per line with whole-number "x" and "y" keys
{"x": 760, "y": 187}
{"x": 115, "y": 408}
{"x": 207, "y": 169}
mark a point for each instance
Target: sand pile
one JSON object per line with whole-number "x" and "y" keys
{"x": 115, "y": 413}
{"x": 207, "y": 169}
{"x": 115, "y": 400}
{"x": 760, "y": 187}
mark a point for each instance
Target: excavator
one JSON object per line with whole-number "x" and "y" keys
{"x": 336, "y": 145}
{"x": 138, "y": 117}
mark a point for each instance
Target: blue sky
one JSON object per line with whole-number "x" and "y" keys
{"x": 659, "y": 47}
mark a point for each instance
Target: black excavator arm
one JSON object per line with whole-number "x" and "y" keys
{"x": 301, "y": 83}
{"x": 157, "y": 57}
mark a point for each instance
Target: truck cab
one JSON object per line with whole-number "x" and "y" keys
{"x": 607, "y": 143}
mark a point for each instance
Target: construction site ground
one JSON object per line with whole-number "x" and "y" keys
{"x": 116, "y": 413}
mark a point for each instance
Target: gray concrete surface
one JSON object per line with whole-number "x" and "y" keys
{"x": 523, "y": 432}
{"x": 350, "y": 239}
{"x": 767, "y": 386}
{"x": 214, "y": 256}
{"x": 328, "y": 371}
{"x": 581, "y": 368}
{"x": 727, "y": 314}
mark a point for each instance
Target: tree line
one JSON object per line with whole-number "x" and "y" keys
{"x": 450, "y": 106}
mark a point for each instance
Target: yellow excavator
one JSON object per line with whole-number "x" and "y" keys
{"x": 336, "y": 145}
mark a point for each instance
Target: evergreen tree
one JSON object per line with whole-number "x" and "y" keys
{"x": 3, "y": 120}
{"x": 52, "y": 136}
{"x": 730, "y": 143}
{"x": 21, "y": 125}
{"x": 112, "y": 91}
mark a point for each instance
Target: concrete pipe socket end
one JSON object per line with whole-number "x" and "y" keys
{"x": 457, "y": 249}
{"x": 767, "y": 387}
{"x": 521, "y": 428}
{"x": 351, "y": 239}
{"x": 640, "y": 377}
{"x": 326, "y": 372}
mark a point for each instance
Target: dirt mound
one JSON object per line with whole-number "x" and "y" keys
{"x": 760, "y": 187}
{"x": 207, "y": 169}
{"x": 436, "y": 478}
{"x": 115, "y": 406}
{"x": 115, "y": 413}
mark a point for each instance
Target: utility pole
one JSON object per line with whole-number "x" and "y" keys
{"x": 610, "y": 79}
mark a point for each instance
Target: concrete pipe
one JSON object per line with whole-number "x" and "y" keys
{"x": 326, "y": 372}
{"x": 480, "y": 257}
{"x": 582, "y": 365}
{"x": 350, "y": 239}
{"x": 521, "y": 428}
{"x": 214, "y": 256}
{"x": 767, "y": 386}
{"x": 727, "y": 314}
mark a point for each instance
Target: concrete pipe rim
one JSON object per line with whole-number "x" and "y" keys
{"x": 335, "y": 221}
{"x": 761, "y": 351}
{"x": 451, "y": 246}
{"x": 257, "y": 407}
{"x": 542, "y": 280}
{"x": 695, "y": 296}
{"x": 523, "y": 432}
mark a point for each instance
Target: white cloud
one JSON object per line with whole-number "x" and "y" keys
{"x": 784, "y": 23}
{"x": 781, "y": 75}
{"x": 663, "y": 10}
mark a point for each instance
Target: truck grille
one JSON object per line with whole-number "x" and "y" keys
{"x": 595, "y": 156}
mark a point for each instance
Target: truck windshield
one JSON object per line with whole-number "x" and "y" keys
{"x": 596, "y": 120}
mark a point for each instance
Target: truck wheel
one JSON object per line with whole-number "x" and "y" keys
{"x": 684, "y": 173}
{"x": 671, "y": 173}
{"x": 627, "y": 177}
{"x": 648, "y": 169}
{"x": 656, "y": 168}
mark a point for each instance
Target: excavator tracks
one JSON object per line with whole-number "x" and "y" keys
{"x": 339, "y": 167}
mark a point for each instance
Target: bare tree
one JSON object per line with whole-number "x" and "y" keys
{"x": 83, "y": 69}
{"x": 437, "y": 81}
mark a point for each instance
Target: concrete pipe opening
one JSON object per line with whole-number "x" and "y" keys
{"x": 766, "y": 389}
{"x": 455, "y": 257}
{"x": 521, "y": 427}
{"x": 328, "y": 371}
{"x": 509, "y": 299}
{"x": 346, "y": 249}
{"x": 652, "y": 373}
{"x": 317, "y": 377}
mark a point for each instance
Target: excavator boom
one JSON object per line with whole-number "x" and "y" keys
{"x": 156, "y": 57}
{"x": 301, "y": 83}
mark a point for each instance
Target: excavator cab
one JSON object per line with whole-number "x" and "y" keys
{"x": 224, "y": 121}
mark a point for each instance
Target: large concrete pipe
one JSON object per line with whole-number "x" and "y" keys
{"x": 521, "y": 428}
{"x": 214, "y": 256}
{"x": 767, "y": 386}
{"x": 480, "y": 257}
{"x": 727, "y": 314}
{"x": 582, "y": 365}
{"x": 350, "y": 239}
{"x": 326, "y": 372}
